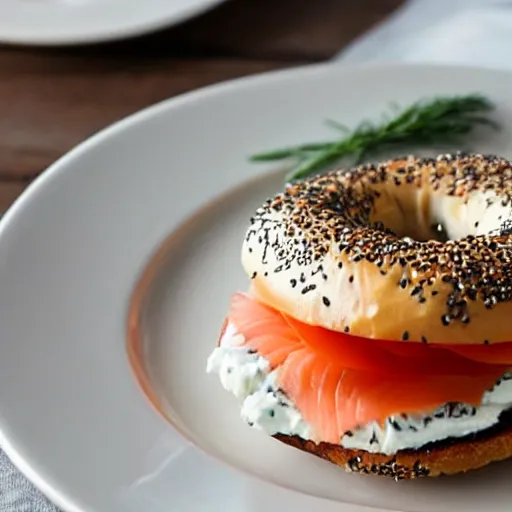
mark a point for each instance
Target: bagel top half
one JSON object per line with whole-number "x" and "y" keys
{"x": 360, "y": 251}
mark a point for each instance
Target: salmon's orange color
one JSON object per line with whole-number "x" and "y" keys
{"x": 339, "y": 381}
{"x": 382, "y": 356}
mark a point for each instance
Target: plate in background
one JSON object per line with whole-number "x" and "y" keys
{"x": 73, "y": 248}
{"x": 62, "y": 22}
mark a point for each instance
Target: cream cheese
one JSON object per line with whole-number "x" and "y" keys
{"x": 247, "y": 375}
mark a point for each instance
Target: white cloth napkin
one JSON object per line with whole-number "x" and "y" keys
{"x": 472, "y": 32}
{"x": 17, "y": 494}
{"x": 468, "y": 32}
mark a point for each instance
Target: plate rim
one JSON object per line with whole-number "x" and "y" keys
{"x": 127, "y": 31}
{"x": 252, "y": 80}
{"x": 9, "y": 445}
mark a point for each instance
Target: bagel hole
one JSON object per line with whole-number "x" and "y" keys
{"x": 421, "y": 233}
{"x": 417, "y": 214}
{"x": 409, "y": 220}
{"x": 422, "y": 214}
{"x": 440, "y": 232}
{"x": 437, "y": 231}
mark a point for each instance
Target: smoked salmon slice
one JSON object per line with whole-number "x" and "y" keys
{"x": 500, "y": 353}
{"x": 269, "y": 330}
{"x": 269, "y": 335}
{"x": 339, "y": 382}
{"x": 327, "y": 419}
{"x": 385, "y": 356}
{"x": 362, "y": 397}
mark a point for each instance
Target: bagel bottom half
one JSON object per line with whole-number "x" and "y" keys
{"x": 446, "y": 458}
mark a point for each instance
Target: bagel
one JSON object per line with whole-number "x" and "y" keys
{"x": 475, "y": 452}
{"x": 356, "y": 251}
{"x": 348, "y": 272}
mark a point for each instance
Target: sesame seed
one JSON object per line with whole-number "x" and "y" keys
{"x": 308, "y": 289}
{"x": 396, "y": 426}
{"x": 416, "y": 290}
{"x": 336, "y": 209}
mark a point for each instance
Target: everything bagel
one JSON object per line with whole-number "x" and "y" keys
{"x": 348, "y": 271}
{"x": 359, "y": 251}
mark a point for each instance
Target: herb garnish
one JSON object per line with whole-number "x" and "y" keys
{"x": 441, "y": 121}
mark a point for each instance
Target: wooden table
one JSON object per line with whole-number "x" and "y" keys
{"x": 51, "y": 99}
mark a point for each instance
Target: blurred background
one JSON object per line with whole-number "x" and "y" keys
{"x": 53, "y": 97}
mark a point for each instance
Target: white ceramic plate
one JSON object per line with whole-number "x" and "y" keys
{"x": 56, "y": 22}
{"x": 74, "y": 248}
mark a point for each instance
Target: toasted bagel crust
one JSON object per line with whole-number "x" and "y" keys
{"x": 353, "y": 251}
{"x": 456, "y": 458}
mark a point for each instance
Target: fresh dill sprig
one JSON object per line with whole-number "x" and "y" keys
{"x": 441, "y": 121}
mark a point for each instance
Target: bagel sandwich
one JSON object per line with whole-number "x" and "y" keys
{"x": 375, "y": 331}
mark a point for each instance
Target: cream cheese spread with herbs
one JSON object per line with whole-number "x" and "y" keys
{"x": 248, "y": 376}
